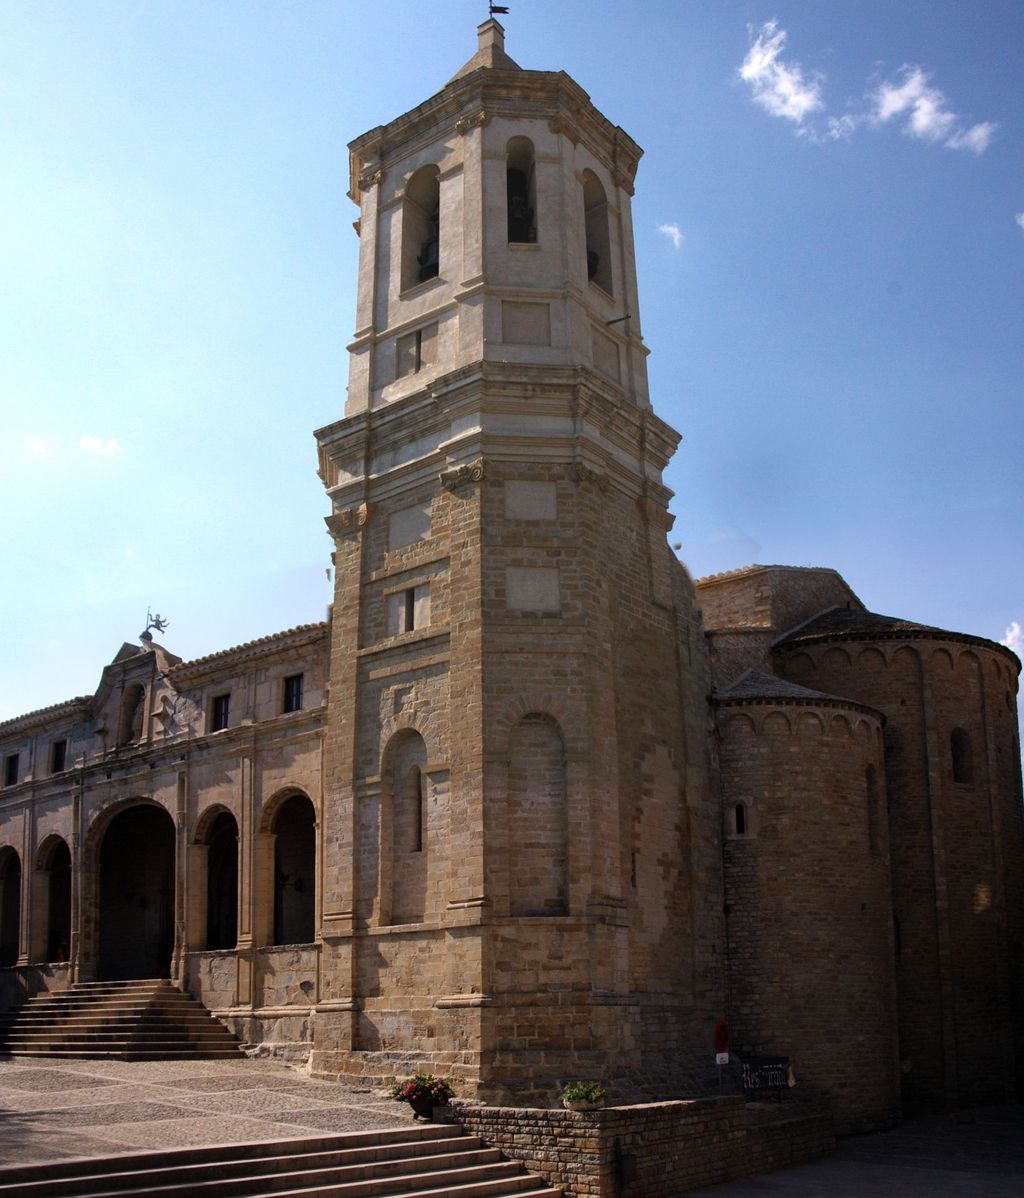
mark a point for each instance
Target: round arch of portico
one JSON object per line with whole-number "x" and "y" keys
{"x": 89, "y": 863}
{"x": 271, "y": 806}
{"x": 46, "y": 848}
{"x": 206, "y": 819}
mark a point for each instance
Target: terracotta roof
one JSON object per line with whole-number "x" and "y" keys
{"x": 754, "y": 686}
{"x": 43, "y": 715}
{"x": 299, "y": 635}
{"x": 855, "y": 624}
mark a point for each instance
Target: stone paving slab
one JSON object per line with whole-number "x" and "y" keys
{"x": 981, "y": 1157}
{"x": 59, "y": 1108}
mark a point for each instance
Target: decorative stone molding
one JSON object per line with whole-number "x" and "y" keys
{"x": 623, "y": 181}
{"x": 371, "y": 178}
{"x": 655, "y": 513}
{"x": 349, "y": 519}
{"x": 559, "y": 124}
{"x": 464, "y": 124}
{"x": 461, "y": 475}
{"x": 579, "y": 473}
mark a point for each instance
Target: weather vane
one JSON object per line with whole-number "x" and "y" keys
{"x": 493, "y": 9}
{"x": 153, "y": 621}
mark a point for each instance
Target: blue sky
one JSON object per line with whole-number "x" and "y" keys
{"x": 830, "y": 237}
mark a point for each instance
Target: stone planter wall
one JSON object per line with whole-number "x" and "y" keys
{"x": 654, "y": 1150}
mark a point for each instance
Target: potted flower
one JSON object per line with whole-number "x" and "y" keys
{"x": 581, "y": 1096}
{"x": 423, "y": 1092}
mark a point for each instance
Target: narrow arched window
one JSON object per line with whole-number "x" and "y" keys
{"x": 871, "y": 792}
{"x": 740, "y": 819}
{"x": 962, "y": 754}
{"x": 405, "y": 759}
{"x": 521, "y": 190}
{"x": 595, "y": 210}
{"x": 421, "y": 227}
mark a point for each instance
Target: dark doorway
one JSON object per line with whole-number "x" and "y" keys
{"x": 222, "y": 883}
{"x": 58, "y": 903}
{"x": 295, "y": 872}
{"x": 137, "y": 895}
{"x": 10, "y": 906}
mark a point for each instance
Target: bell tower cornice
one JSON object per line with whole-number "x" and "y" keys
{"x": 474, "y": 100}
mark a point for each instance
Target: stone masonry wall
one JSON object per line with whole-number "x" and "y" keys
{"x": 654, "y": 1150}
{"x": 808, "y": 902}
{"x": 956, "y": 852}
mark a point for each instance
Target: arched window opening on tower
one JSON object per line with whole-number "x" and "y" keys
{"x": 963, "y": 756}
{"x": 421, "y": 227}
{"x": 595, "y": 209}
{"x": 739, "y": 815}
{"x": 521, "y": 190}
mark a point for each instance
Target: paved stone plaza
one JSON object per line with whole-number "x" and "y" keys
{"x": 54, "y": 1108}
{"x": 926, "y": 1158}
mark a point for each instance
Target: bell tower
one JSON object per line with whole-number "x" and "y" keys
{"x": 517, "y": 792}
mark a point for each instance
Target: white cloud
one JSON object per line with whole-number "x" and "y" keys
{"x": 38, "y": 447}
{"x": 1019, "y": 218}
{"x": 975, "y": 139}
{"x": 779, "y": 87}
{"x": 99, "y": 447}
{"x": 841, "y": 128}
{"x": 1014, "y": 638}
{"x": 926, "y": 113}
{"x": 673, "y": 233}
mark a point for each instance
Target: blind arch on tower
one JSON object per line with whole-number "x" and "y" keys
{"x": 538, "y": 818}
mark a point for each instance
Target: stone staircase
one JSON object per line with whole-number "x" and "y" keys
{"x": 424, "y": 1161}
{"x": 130, "y": 1021}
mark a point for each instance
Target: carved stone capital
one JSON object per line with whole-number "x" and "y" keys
{"x": 371, "y": 178}
{"x": 464, "y": 124}
{"x": 579, "y": 473}
{"x": 349, "y": 519}
{"x": 461, "y": 475}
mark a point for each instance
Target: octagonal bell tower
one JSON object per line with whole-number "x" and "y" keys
{"x": 517, "y": 808}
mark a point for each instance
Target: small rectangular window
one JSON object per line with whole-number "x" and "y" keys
{"x": 408, "y": 610}
{"x": 11, "y": 769}
{"x": 58, "y": 756}
{"x": 293, "y": 693}
{"x": 415, "y": 351}
{"x": 220, "y": 712}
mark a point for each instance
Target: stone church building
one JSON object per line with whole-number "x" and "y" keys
{"x": 533, "y": 805}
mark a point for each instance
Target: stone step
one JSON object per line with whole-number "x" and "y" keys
{"x": 452, "y": 1149}
{"x": 146, "y": 1020}
{"x": 427, "y": 1161}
